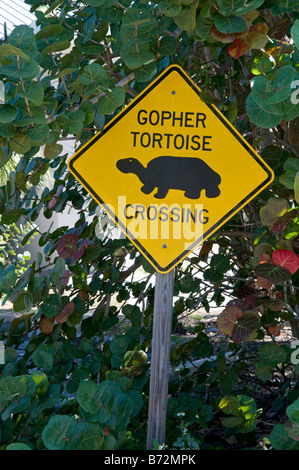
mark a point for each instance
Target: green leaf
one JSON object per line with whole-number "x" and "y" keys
{"x": 18, "y": 446}
{"x": 274, "y": 274}
{"x": 87, "y": 396}
{"x": 145, "y": 73}
{"x": 8, "y": 113}
{"x": 51, "y": 306}
{"x": 86, "y": 436}
{"x": 43, "y": 357}
{"x": 272, "y": 353}
{"x": 108, "y": 103}
{"x": 263, "y": 370}
{"x": 273, "y": 210}
{"x": 259, "y": 116}
{"x": 58, "y": 431}
{"x": 170, "y": 7}
{"x": 94, "y": 74}
{"x": 7, "y": 50}
{"x": 33, "y": 91}
{"x": 280, "y": 439}
{"x": 75, "y": 120}
{"x": 238, "y": 7}
{"x": 52, "y": 150}
{"x": 11, "y": 389}
{"x": 20, "y": 143}
{"x": 230, "y": 24}
{"x": 8, "y": 278}
{"x": 293, "y": 411}
{"x": 220, "y": 263}
{"x": 39, "y": 132}
{"x": 295, "y": 33}
{"x": 168, "y": 46}
{"x": 230, "y": 405}
{"x": 232, "y": 421}
{"x": 25, "y": 69}
{"x": 134, "y": 56}
{"x": 186, "y": 20}
{"x": 56, "y": 47}
{"x": 49, "y": 30}
{"x": 22, "y": 37}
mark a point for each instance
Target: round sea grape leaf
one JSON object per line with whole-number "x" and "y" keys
{"x": 186, "y": 20}
{"x": 273, "y": 210}
{"x": 272, "y": 154}
{"x": 33, "y": 91}
{"x": 7, "y": 50}
{"x": 168, "y": 45}
{"x": 57, "y": 433}
{"x": 46, "y": 325}
{"x": 293, "y": 411}
{"x": 287, "y": 259}
{"x": 87, "y": 396}
{"x": 43, "y": 357}
{"x": 292, "y": 430}
{"x": 238, "y": 7}
{"x": 39, "y": 132}
{"x": 227, "y": 319}
{"x": 272, "y": 353}
{"x": 230, "y": 24}
{"x": 146, "y": 72}
{"x": 86, "y": 436}
{"x": 67, "y": 310}
{"x": 295, "y": 33}
{"x": 22, "y": 37}
{"x": 56, "y": 47}
{"x": 51, "y": 306}
{"x": 135, "y": 57}
{"x": 280, "y": 439}
{"x": 263, "y": 370}
{"x": 230, "y": 406}
{"x": 170, "y": 7}
{"x": 220, "y": 263}
{"x": 8, "y": 113}
{"x": 94, "y": 74}
{"x": 244, "y": 328}
{"x": 275, "y": 274}
{"x": 49, "y": 30}
{"x": 282, "y": 80}
{"x": 25, "y": 69}
{"x": 248, "y": 406}
{"x": 18, "y": 446}
{"x": 108, "y": 103}
{"x": 11, "y": 388}
{"x": 67, "y": 245}
{"x": 259, "y": 116}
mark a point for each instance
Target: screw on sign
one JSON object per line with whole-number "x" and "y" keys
{"x": 180, "y": 171}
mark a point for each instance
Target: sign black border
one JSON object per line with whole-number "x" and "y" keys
{"x": 233, "y": 131}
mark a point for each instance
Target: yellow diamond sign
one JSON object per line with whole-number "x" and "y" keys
{"x": 170, "y": 169}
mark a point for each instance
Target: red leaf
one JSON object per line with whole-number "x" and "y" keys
{"x": 67, "y": 310}
{"x": 67, "y": 245}
{"x": 287, "y": 259}
{"x": 46, "y": 325}
{"x": 239, "y": 47}
{"x": 263, "y": 283}
{"x": 80, "y": 251}
{"x": 227, "y": 319}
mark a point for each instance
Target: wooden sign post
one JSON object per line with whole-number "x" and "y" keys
{"x": 160, "y": 358}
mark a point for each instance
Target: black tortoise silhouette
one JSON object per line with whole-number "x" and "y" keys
{"x": 191, "y": 175}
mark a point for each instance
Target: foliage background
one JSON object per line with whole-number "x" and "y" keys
{"x": 72, "y": 381}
